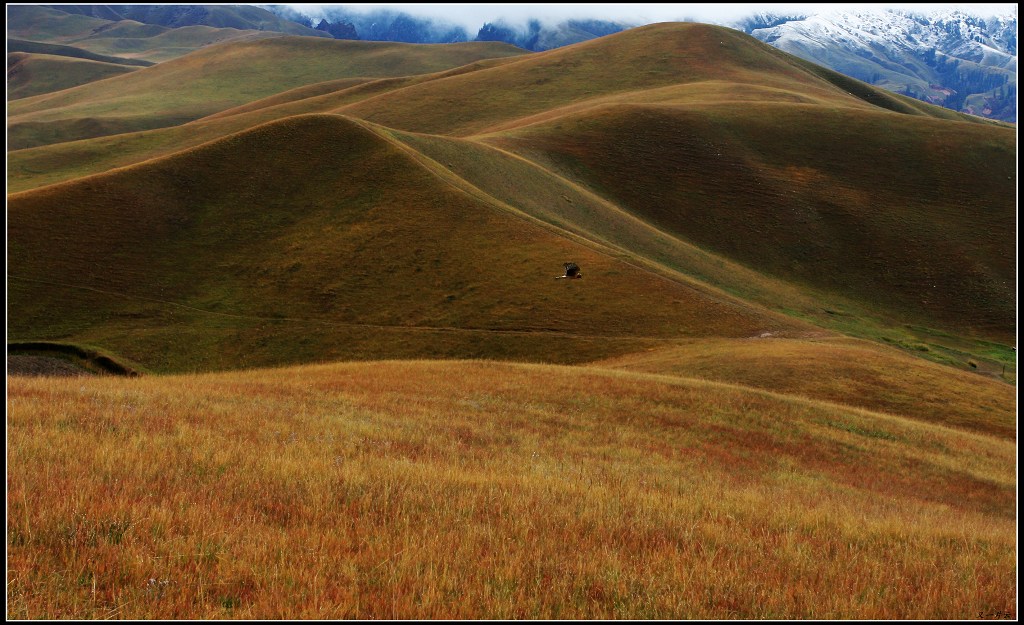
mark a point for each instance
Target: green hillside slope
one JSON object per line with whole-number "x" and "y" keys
{"x": 367, "y": 254}
{"x": 221, "y": 77}
{"x": 48, "y": 25}
{"x": 718, "y": 162}
{"x": 35, "y": 74}
{"x": 34, "y": 47}
{"x": 142, "y": 43}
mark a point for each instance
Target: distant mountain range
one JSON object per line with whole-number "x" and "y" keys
{"x": 959, "y": 61}
{"x": 242, "y": 17}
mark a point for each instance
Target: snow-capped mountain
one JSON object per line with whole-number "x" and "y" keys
{"x": 963, "y": 62}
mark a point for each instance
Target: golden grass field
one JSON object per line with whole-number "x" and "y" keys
{"x": 474, "y": 489}
{"x": 785, "y": 388}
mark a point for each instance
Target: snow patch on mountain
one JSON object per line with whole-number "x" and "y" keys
{"x": 947, "y": 57}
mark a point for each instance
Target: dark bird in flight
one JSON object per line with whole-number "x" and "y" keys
{"x": 572, "y": 270}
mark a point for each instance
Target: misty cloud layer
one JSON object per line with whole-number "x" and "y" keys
{"x": 469, "y": 18}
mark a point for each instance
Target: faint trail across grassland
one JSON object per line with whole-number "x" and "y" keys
{"x": 347, "y": 324}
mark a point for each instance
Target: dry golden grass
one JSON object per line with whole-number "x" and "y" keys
{"x": 485, "y": 490}
{"x": 844, "y": 370}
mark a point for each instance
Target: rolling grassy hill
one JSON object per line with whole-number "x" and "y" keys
{"x": 908, "y": 215}
{"x": 690, "y": 431}
{"x": 46, "y": 25}
{"x": 193, "y": 231}
{"x": 34, "y": 74}
{"x": 222, "y": 77}
{"x": 846, "y": 371}
{"x": 627, "y": 66}
{"x": 114, "y": 32}
{"x": 146, "y": 43}
{"x": 718, "y": 159}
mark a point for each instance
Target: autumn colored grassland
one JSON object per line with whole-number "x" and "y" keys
{"x": 483, "y": 490}
{"x": 722, "y": 447}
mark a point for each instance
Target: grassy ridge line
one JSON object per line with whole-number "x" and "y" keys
{"x": 32, "y": 168}
{"x": 648, "y": 57}
{"x": 48, "y": 25}
{"x": 239, "y": 17}
{"x": 599, "y": 244}
{"x": 847, "y": 371}
{"x": 700, "y": 93}
{"x": 477, "y": 489}
{"x": 325, "y": 97}
{"x": 122, "y": 37}
{"x": 170, "y": 44}
{"x": 35, "y": 47}
{"x": 290, "y": 61}
{"x": 557, "y": 199}
{"x": 304, "y": 92}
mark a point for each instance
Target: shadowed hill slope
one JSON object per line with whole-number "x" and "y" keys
{"x": 911, "y": 215}
{"x": 241, "y": 256}
{"x": 224, "y": 76}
